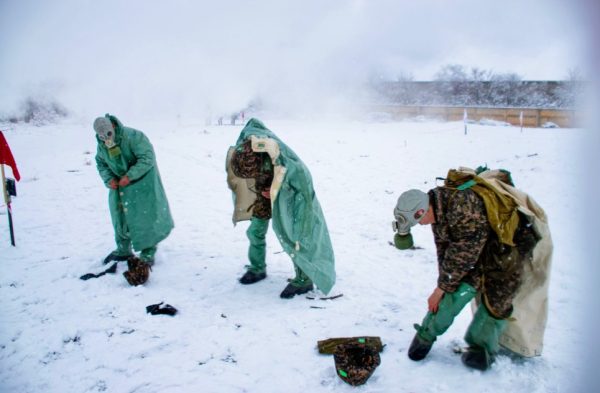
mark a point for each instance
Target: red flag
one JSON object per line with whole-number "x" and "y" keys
{"x": 7, "y": 158}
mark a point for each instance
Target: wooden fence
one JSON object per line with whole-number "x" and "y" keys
{"x": 564, "y": 118}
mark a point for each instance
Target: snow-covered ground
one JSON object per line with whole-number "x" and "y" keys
{"x": 61, "y": 334}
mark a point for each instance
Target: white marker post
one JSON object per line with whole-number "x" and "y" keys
{"x": 465, "y": 120}
{"x": 9, "y": 210}
{"x": 521, "y": 120}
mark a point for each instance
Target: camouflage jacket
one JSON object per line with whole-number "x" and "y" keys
{"x": 460, "y": 231}
{"x": 248, "y": 164}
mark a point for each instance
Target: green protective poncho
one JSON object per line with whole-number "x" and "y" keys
{"x": 143, "y": 203}
{"x": 298, "y": 220}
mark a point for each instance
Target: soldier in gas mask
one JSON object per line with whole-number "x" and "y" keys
{"x": 271, "y": 184}
{"x": 137, "y": 201}
{"x": 472, "y": 263}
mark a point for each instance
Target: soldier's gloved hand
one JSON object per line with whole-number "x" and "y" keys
{"x": 124, "y": 182}
{"x": 113, "y": 184}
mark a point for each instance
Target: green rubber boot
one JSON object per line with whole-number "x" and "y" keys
{"x": 482, "y": 336}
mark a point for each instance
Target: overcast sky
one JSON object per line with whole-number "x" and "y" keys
{"x": 185, "y": 56}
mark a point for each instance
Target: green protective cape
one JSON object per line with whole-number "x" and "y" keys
{"x": 143, "y": 203}
{"x": 298, "y": 220}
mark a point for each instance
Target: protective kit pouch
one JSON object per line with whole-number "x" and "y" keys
{"x": 355, "y": 362}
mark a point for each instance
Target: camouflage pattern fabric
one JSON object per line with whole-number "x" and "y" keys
{"x": 503, "y": 269}
{"x": 460, "y": 232}
{"x": 248, "y": 164}
{"x": 138, "y": 271}
{"x": 469, "y": 251}
{"x": 329, "y": 345}
{"x": 355, "y": 362}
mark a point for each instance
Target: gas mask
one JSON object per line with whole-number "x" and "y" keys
{"x": 401, "y": 224}
{"x": 108, "y": 139}
{"x": 403, "y": 239}
{"x": 410, "y": 209}
{"x": 105, "y": 131}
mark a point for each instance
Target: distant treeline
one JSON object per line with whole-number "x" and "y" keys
{"x": 497, "y": 93}
{"x": 36, "y": 110}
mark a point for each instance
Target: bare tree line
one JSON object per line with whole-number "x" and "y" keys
{"x": 457, "y": 85}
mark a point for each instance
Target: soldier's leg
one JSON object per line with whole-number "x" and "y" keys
{"x": 299, "y": 285}
{"x": 436, "y": 324}
{"x": 482, "y": 336}
{"x": 123, "y": 250}
{"x": 301, "y": 278}
{"x": 499, "y": 289}
{"x": 147, "y": 255}
{"x": 122, "y": 239}
{"x": 257, "y": 252}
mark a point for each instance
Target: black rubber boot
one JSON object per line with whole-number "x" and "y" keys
{"x": 251, "y": 277}
{"x": 419, "y": 348}
{"x": 115, "y": 257}
{"x": 477, "y": 358}
{"x": 292, "y": 290}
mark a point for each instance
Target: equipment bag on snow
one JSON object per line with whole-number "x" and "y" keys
{"x": 355, "y": 362}
{"x": 356, "y": 358}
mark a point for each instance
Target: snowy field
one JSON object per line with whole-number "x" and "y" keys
{"x": 61, "y": 334}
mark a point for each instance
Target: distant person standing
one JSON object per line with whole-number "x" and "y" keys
{"x": 137, "y": 201}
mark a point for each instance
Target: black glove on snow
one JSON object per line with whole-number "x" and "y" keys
{"x": 156, "y": 309}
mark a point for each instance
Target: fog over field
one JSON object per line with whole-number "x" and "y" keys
{"x": 156, "y": 58}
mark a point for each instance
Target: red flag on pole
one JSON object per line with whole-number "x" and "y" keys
{"x": 7, "y": 158}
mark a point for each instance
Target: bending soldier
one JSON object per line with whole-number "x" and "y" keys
{"x": 138, "y": 205}
{"x": 472, "y": 261}
{"x": 269, "y": 181}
